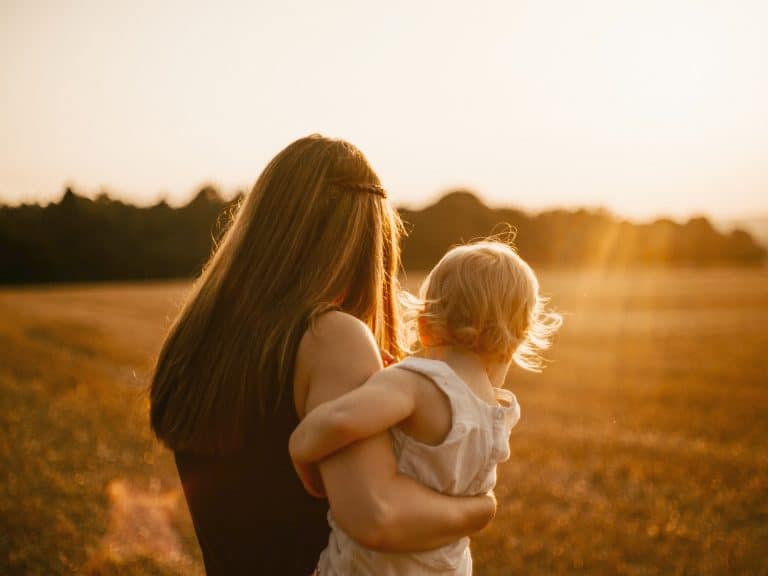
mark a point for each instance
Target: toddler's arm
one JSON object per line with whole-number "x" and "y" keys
{"x": 387, "y": 397}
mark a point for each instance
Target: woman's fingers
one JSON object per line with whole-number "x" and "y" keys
{"x": 492, "y": 504}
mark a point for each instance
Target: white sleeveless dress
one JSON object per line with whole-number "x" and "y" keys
{"x": 464, "y": 464}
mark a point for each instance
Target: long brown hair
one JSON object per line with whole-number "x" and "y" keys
{"x": 315, "y": 233}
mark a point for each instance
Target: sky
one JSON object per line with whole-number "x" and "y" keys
{"x": 644, "y": 107}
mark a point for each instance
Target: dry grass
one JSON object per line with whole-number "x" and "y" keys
{"x": 642, "y": 448}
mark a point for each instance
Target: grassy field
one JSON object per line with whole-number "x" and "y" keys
{"x": 643, "y": 448}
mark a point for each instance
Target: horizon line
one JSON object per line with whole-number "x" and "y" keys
{"x": 228, "y": 196}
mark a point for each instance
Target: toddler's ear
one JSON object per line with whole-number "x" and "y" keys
{"x": 425, "y": 337}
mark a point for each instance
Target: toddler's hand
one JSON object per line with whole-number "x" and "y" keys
{"x": 309, "y": 474}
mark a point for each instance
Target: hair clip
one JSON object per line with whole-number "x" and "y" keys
{"x": 370, "y": 188}
{"x": 378, "y": 190}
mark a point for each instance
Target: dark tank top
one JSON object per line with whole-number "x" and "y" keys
{"x": 250, "y": 511}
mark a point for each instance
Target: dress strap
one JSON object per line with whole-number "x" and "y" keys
{"x": 454, "y": 387}
{"x": 438, "y": 371}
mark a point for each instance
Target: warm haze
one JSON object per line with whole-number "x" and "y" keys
{"x": 643, "y": 445}
{"x": 648, "y": 108}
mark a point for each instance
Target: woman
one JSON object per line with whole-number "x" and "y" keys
{"x": 291, "y": 311}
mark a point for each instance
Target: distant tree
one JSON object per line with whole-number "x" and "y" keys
{"x": 79, "y": 239}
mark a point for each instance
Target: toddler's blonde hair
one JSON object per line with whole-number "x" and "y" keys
{"x": 484, "y": 297}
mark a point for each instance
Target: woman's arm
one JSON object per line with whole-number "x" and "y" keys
{"x": 387, "y": 398}
{"x": 379, "y": 507}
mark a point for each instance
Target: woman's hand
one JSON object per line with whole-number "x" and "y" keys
{"x": 490, "y": 504}
{"x": 309, "y": 474}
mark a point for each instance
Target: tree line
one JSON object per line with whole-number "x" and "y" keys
{"x": 80, "y": 239}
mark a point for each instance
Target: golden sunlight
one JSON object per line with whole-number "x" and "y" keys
{"x": 647, "y": 108}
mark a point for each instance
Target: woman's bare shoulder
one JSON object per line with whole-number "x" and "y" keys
{"x": 336, "y": 354}
{"x": 337, "y": 330}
